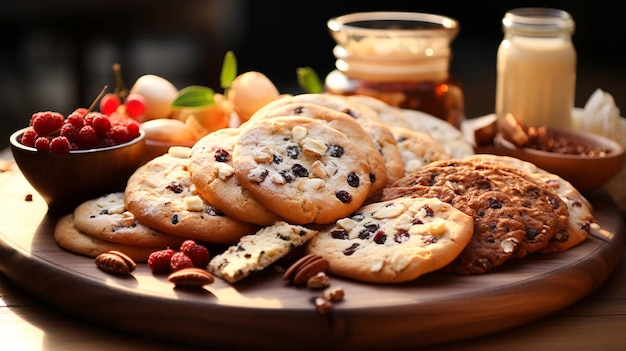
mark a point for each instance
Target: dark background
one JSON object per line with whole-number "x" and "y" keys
{"x": 57, "y": 55}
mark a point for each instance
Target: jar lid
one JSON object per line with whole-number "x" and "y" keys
{"x": 538, "y": 21}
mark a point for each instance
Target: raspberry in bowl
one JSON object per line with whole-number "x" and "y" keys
{"x": 73, "y": 159}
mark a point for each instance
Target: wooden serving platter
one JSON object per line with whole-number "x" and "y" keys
{"x": 262, "y": 312}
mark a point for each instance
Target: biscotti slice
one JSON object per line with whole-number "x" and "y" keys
{"x": 257, "y": 251}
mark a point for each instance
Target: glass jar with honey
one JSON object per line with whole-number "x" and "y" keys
{"x": 401, "y": 58}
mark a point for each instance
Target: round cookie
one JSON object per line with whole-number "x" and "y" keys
{"x": 389, "y": 115}
{"x": 212, "y": 172}
{"x": 418, "y": 149}
{"x": 161, "y": 195}
{"x": 367, "y": 118}
{"x": 356, "y": 110}
{"x": 106, "y": 218}
{"x": 580, "y": 210}
{"x": 71, "y": 239}
{"x": 514, "y": 214}
{"x": 301, "y": 169}
{"x": 394, "y": 241}
{"x": 345, "y": 124}
{"x": 452, "y": 139}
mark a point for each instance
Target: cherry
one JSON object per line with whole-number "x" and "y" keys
{"x": 109, "y": 103}
{"x": 135, "y": 105}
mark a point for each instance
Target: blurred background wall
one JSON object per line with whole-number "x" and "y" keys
{"x": 57, "y": 55}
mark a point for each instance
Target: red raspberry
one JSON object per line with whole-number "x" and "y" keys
{"x": 42, "y": 144}
{"x": 179, "y": 261}
{"x": 60, "y": 145}
{"x": 29, "y": 137}
{"x": 119, "y": 133}
{"x": 133, "y": 128}
{"x": 70, "y": 131}
{"x": 101, "y": 124}
{"x": 80, "y": 111}
{"x": 75, "y": 119}
{"x": 199, "y": 254}
{"x": 46, "y": 122}
{"x": 87, "y": 136}
{"x": 159, "y": 261}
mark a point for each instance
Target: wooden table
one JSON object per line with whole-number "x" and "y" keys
{"x": 595, "y": 322}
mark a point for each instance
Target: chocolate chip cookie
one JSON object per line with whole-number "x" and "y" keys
{"x": 513, "y": 213}
{"x": 345, "y": 124}
{"x": 212, "y": 172}
{"x": 161, "y": 195}
{"x": 301, "y": 169}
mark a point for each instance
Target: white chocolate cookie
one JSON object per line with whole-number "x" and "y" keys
{"x": 301, "y": 169}
{"x": 161, "y": 195}
{"x": 212, "y": 172}
{"x": 394, "y": 241}
{"x": 106, "y": 218}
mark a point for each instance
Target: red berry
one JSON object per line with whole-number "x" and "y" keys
{"x": 199, "y": 254}
{"x": 159, "y": 261}
{"x": 29, "y": 137}
{"x": 179, "y": 261}
{"x": 59, "y": 145}
{"x": 101, "y": 124}
{"x": 87, "y": 136}
{"x": 42, "y": 144}
{"x": 119, "y": 133}
{"x": 135, "y": 105}
{"x": 75, "y": 119}
{"x": 46, "y": 122}
{"x": 69, "y": 131}
{"x": 109, "y": 103}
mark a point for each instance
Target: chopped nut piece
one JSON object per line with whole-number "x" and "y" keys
{"x": 128, "y": 219}
{"x": 318, "y": 281}
{"x": 264, "y": 155}
{"x": 322, "y": 305}
{"x": 298, "y": 133}
{"x": 314, "y": 147}
{"x": 334, "y": 294}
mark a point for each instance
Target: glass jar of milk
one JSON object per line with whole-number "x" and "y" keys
{"x": 536, "y": 67}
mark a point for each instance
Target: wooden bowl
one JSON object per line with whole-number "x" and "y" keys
{"x": 65, "y": 181}
{"x": 586, "y": 173}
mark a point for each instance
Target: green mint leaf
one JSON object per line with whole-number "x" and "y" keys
{"x": 194, "y": 96}
{"x": 309, "y": 80}
{"x": 229, "y": 70}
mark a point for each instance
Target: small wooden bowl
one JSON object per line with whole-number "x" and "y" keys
{"x": 586, "y": 173}
{"x": 65, "y": 181}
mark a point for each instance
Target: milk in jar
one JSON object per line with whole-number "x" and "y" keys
{"x": 536, "y": 67}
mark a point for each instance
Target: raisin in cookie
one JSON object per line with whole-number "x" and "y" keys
{"x": 161, "y": 195}
{"x": 212, "y": 172}
{"x": 418, "y": 149}
{"x": 513, "y": 214}
{"x": 106, "y": 218}
{"x": 259, "y": 250}
{"x": 68, "y": 237}
{"x": 345, "y": 124}
{"x": 301, "y": 169}
{"x": 394, "y": 241}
